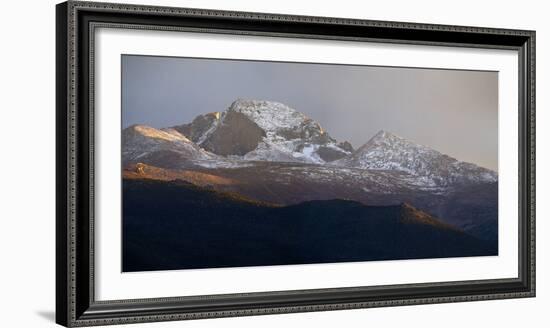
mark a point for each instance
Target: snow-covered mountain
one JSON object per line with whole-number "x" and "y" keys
{"x": 386, "y": 151}
{"x": 270, "y": 152}
{"x": 141, "y": 143}
{"x": 252, "y": 131}
{"x": 264, "y": 130}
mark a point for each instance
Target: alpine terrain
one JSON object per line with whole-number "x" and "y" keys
{"x": 261, "y": 183}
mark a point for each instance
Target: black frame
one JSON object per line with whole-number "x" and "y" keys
{"x": 75, "y": 302}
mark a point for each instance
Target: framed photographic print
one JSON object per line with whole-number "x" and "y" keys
{"x": 214, "y": 163}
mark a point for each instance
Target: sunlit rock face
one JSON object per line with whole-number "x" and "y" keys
{"x": 140, "y": 142}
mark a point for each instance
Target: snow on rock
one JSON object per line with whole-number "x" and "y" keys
{"x": 140, "y": 141}
{"x": 254, "y": 131}
{"x": 386, "y": 151}
{"x": 272, "y": 116}
{"x": 264, "y": 130}
{"x": 289, "y": 134}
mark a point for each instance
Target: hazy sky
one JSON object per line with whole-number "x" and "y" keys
{"x": 454, "y": 112}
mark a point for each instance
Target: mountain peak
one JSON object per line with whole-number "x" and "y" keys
{"x": 386, "y": 135}
{"x": 384, "y": 139}
{"x": 387, "y": 151}
{"x": 139, "y": 142}
{"x": 258, "y": 103}
{"x": 264, "y": 130}
{"x": 269, "y": 115}
{"x": 153, "y": 133}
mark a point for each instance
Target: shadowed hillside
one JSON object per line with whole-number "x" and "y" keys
{"x": 177, "y": 225}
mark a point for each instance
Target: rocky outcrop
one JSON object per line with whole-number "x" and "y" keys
{"x": 236, "y": 134}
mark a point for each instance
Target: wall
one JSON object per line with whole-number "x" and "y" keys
{"x": 27, "y": 69}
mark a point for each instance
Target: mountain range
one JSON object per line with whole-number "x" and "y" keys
{"x": 271, "y": 153}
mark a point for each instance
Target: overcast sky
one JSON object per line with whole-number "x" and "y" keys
{"x": 454, "y": 112}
